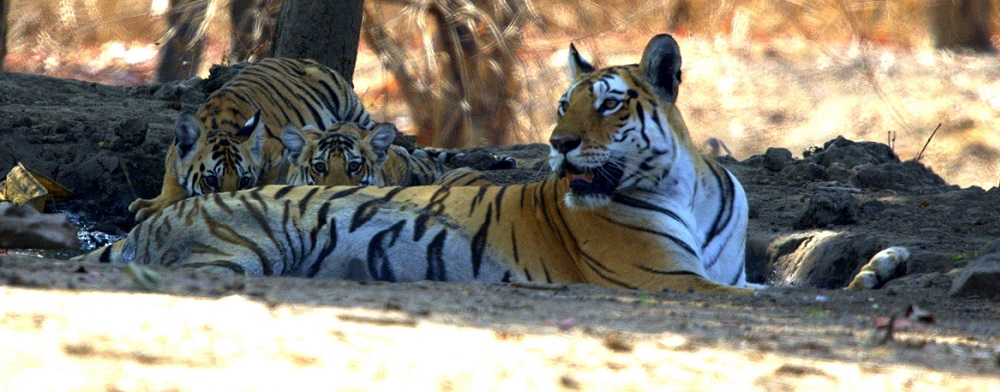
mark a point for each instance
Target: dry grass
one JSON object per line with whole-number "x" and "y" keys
{"x": 757, "y": 73}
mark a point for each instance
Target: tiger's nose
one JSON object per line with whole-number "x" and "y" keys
{"x": 565, "y": 144}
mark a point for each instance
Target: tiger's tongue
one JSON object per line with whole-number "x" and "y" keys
{"x": 582, "y": 177}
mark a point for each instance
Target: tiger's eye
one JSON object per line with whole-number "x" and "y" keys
{"x": 319, "y": 167}
{"x": 212, "y": 181}
{"x": 354, "y": 166}
{"x": 245, "y": 182}
{"x": 563, "y": 106}
{"x": 610, "y": 103}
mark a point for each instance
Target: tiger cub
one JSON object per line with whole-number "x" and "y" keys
{"x": 233, "y": 141}
{"x": 630, "y": 204}
{"x": 345, "y": 154}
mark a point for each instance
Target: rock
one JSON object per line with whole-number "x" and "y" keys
{"x": 776, "y": 159}
{"x": 828, "y": 207}
{"x": 905, "y": 176}
{"x": 852, "y": 154}
{"x": 992, "y": 247}
{"x": 981, "y": 279}
{"x": 132, "y": 130}
{"x": 23, "y": 122}
{"x": 757, "y": 257}
{"x": 806, "y": 171}
{"x": 167, "y": 91}
{"x": 872, "y": 207}
{"x": 823, "y": 259}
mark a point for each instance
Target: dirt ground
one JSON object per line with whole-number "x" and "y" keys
{"x": 814, "y": 222}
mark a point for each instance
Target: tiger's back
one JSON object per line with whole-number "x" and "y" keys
{"x": 488, "y": 233}
{"x": 224, "y": 146}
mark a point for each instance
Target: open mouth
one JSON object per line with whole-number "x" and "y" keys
{"x": 602, "y": 180}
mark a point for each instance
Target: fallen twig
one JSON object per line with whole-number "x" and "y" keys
{"x": 921, "y": 154}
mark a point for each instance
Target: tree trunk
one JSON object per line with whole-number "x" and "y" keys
{"x": 252, "y": 28}
{"x": 180, "y": 55}
{"x": 322, "y": 30}
{"x": 3, "y": 31}
{"x": 957, "y": 24}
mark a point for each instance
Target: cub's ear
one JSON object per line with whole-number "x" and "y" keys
{"x": 661, "y": 63}
{"x": 188, "y": 134}
{"x": 294, "y": 141}
{"x": 251, "y": 126}
{"x": 578, "y": 66}
{"x": 381, "y": 138}
{"x": 257, "y": 139}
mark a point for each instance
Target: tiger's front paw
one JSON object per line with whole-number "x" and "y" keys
{"x": 143, "y": 208}
{"x": 503, "y": 162}
{"x": 884, "y": 266}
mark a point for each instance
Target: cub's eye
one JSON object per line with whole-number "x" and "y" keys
{"x": 353, "y": 167}
{"x": 319, "y": 167}
{"x": 610, "y": 103}
{"x": 563, "y": 105}
{"x": 245, "y": 182}
{"x": 212, "y": 182}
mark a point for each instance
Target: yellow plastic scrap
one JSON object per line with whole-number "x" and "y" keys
{"x": 24, "y": 185}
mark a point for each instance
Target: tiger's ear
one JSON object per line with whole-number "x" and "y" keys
{"x": 578, "y": 66}
{"x": 294, "y": 141}
{"x": 188, "y": 134}
{"x": 257, "y": 139}
{"x": 661, "y": 63}
{"x": 381, "y": 139}
{"x": 251, "y": 126}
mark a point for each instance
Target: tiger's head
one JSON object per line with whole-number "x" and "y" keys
{"x": 213, "y": 161}
{"x": 618, "y": 128}
{"x": 344, "y": 154}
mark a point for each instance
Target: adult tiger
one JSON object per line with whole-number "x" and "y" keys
{"x": 345, "y": 154}
{"x": 213, "y": 151}
{"x": 630, "y": 204}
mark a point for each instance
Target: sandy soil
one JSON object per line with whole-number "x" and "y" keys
{"x": 65, "y": 326}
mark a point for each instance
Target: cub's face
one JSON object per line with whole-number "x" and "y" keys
{"x": 344, "y": 154}
{"x": 613, "y": 132}
{"x": 208, "y": 162}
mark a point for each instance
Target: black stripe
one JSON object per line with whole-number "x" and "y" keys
{"x": 105, "y": 255}
{"x": 736, "y": 279}
{"x": 675, "y": 240}
{"x": 664, "y": 272}
{"x": 303, "y": 203}
{"x": 217, "y": 199}
{"x": 479, "y": 242}
{"x": 238, "y": 269}
{"x": 227, "y": 234}
{"x": 435, "y": 258}
{"x": 498, "y": 200}
{"x": 513, "y": 243}
{"x": 367, "y": 210}
{"x": 477, "y": 199}
{"x": 378, "y": 255}
{"x": 433, "y": 208}
{"x": 290, "y": 263}
{"x": 282, "y": 192}
{"x": 592, "y": 263}
{"x": 645, "y": 205}
{"x": 327, "y": 249}
{"x": 548, "y": 277}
